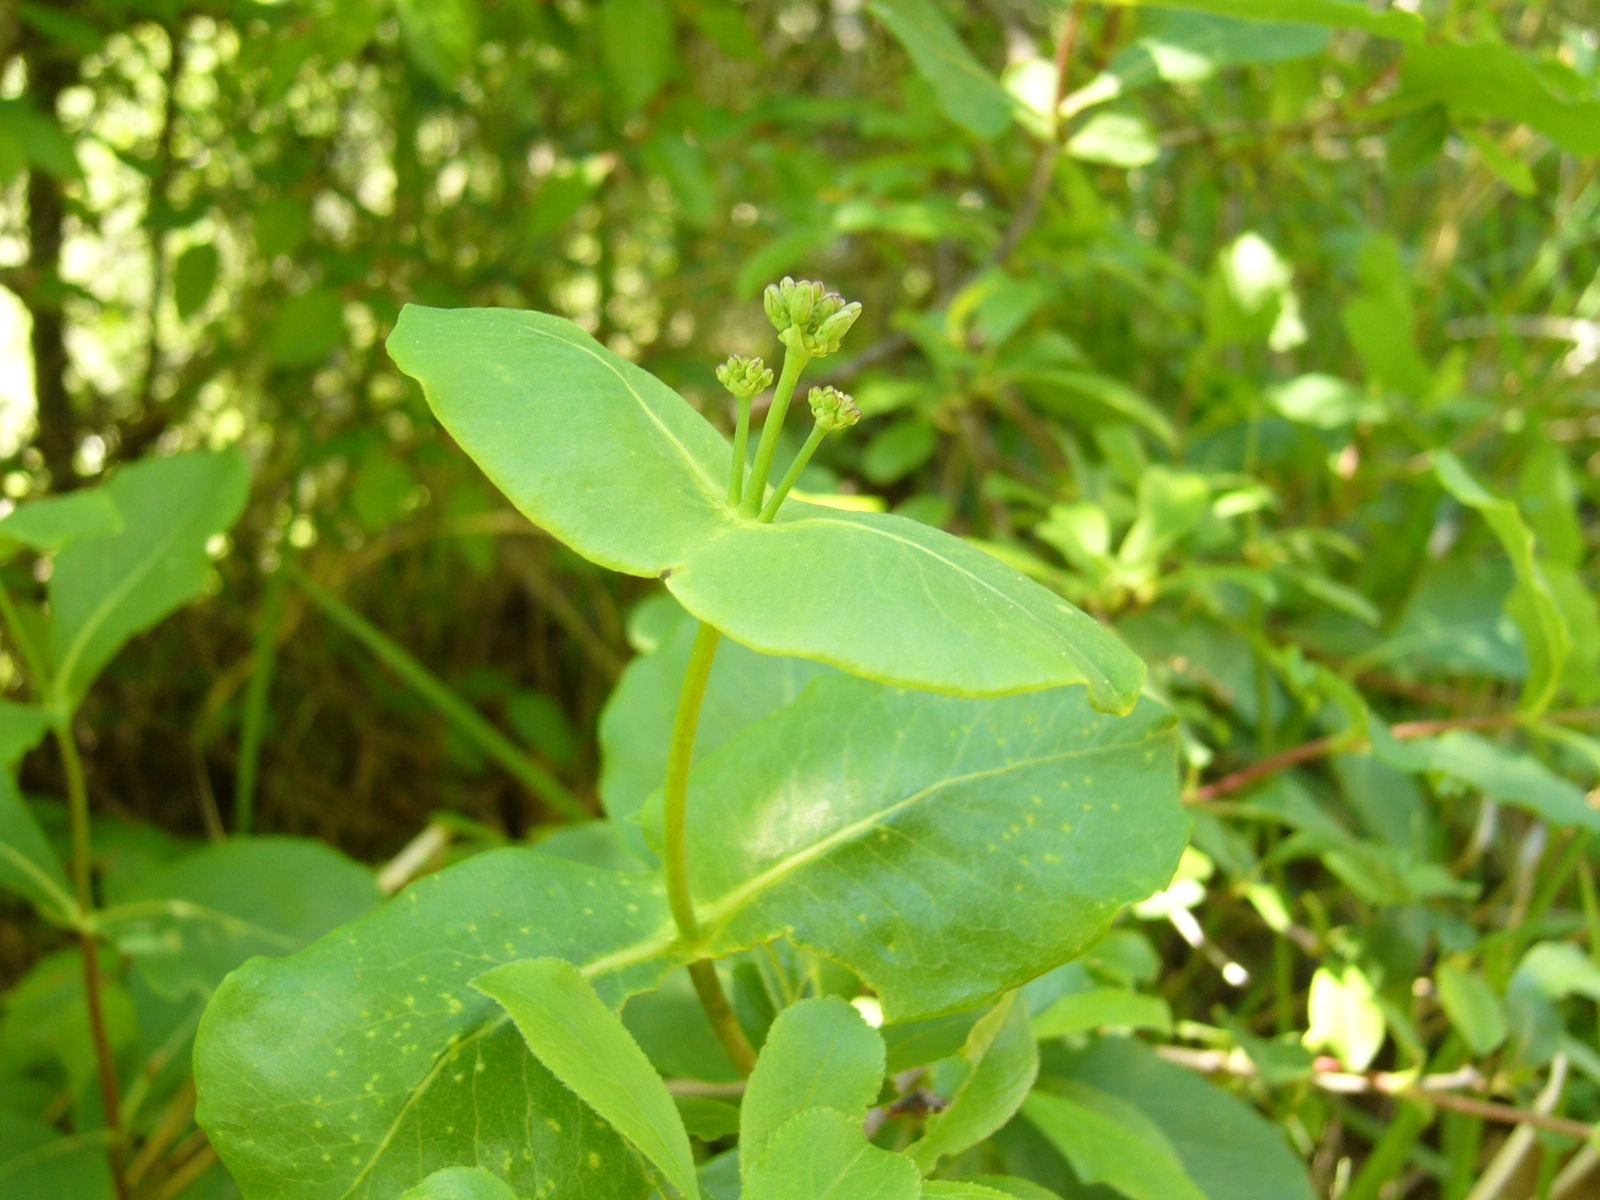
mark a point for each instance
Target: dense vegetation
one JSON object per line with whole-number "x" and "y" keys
{"x": 1265, "y": 332}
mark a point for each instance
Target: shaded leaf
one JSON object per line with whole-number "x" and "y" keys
{"x": 583, "y": 1044}
{"x": 823, "y": 1155}
{"x": 997, "y": 1066}
{"x": 1106, "y": 1144}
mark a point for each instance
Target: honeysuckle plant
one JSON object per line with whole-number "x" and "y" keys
{"x": 932, "y": 782}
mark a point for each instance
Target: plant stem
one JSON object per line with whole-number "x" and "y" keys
{"x": 799, "y": 464}
{"x": 741, "y": 438}
{"x": 675, "y": 857}
{"x": 82, "y": 858}
{"x": 794, "y": 361}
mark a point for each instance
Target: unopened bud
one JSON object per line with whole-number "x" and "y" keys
{"x": 832, "y": 409}
{"x": 744, "y": 377}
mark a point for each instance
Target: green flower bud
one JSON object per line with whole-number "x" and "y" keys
{"x": 831, "y": 331}
{"x": 832, "y": 409}
{"x": 807, "y": 317}
{"x": 777, "y": 308}
{"x": 744, "y": 377}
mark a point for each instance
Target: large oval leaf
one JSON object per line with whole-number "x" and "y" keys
{"x": 944, "y": 849}
{"x": 617, "y": 465}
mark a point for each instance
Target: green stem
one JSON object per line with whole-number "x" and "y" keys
{"x": 741, "y": 438}
{"x": 793, "y": 473}
{"x": 675, "y": 791}
{"x": 675, "y": 856}
{"x": 82, "y": 863}
{"x": 794, "y": 361}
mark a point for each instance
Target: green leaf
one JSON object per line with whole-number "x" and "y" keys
{"x": 707, "y": 1119}
{"x": 1491, "y": 79}
{"x": 1225, "y": 1146}
{"x": 960, "y": 1190}
{"x": 819, "y": 1053}
{"x": 38, "y": 1163}
{"x": 194, "y": 276}
{"x": 1106, "y": 1143}
{"x": 898, "y": 449}
{"x": 1340, "y": 14}
{"x": 996, "y": 1068}
{"x": 618, "y": 466}
{"x": 968, "y": 94}
{"x": 461, "y": 1183}
{"x": 54, "y": 522}
{"x": 1101, "y": 1008}
{"x": 188, "y": 924}
{"x": 638, "y": 46}
{"x": 1532, "y": 604}
{"x": 879, "y": 827}
{"x": 104, "y": 590}
{"x": 583, "y": 1044}
{"x": 1472, "y": 1007}
{"x": 368, "y": 1060}
{"x": 823, "y": 1155}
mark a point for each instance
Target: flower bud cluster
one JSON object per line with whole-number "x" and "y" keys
{"x": 744, "y": 377}
{"x": 832, "y": 409}
{"x": 809, "y": 317}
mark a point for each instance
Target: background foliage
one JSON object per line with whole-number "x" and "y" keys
{"x": 1275, "y": 344}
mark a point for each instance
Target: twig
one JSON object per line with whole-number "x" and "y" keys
{"x": 1429, "y": 1089}
{"x": 1337, "y": 743}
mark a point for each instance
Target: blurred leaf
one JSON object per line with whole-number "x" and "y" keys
{"x": 968, "y": 94}
{"x": 53, "y": 522}
{"x": 1340, "y": 14}
{"x": 1531, "y": 604}
{"x": 46, "y": 145}
{"x": 1491, "y": 79}
{"x": 38, "y": 1163}
{"x": 1472, "y": 1007}
{"x": 638, "y": 46}
{"x": 441, "y": 36}
{"x": 193, "y": 278}
{"x": 307, "y": 328}
{"x": 1325, "y": 402}
{"x": 898, "y": 449}
{"x": 29, "y": 865}
{"x": 1226, "y": 1147}
{"x": 1191, "y": 47}
{"x": 106, "y": 589}
{"x": 187, "y": 925}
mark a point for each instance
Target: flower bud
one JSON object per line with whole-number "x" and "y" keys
{"x": 744, "y": 377}
{"x": 777, "y": 308}
{"x": 832, "y": 409}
